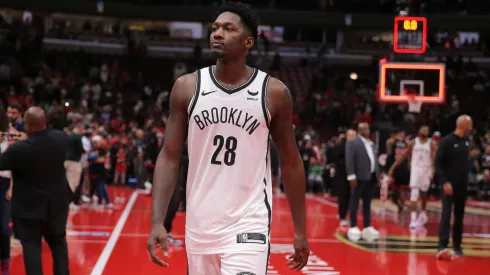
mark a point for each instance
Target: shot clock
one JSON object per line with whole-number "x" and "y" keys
{"x": 410, "y": 34}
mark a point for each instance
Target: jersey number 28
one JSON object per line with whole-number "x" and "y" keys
{"x": 230, "y": 146}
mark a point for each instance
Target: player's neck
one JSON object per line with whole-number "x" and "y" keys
{"x": 230, "y": 72}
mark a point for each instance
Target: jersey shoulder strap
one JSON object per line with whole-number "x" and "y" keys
{"x": 194, "y": 98}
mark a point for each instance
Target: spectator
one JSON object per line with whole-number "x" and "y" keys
{"x": 484, "y": 186}
{"x": 14, "y": 113}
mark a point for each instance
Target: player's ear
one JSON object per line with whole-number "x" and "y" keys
{"x": 249, "y": 42}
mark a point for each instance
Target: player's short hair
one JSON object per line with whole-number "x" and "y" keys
{"x": 248, "y": 16}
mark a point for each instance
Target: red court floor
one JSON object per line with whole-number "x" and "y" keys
{"x": 114, "y": 242}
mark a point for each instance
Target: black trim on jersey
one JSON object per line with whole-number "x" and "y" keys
{"x": 268, "y": 257}
{"x": 233, "y": 90}
{"x": 264, "y": 100}
{"x": 268, "y": 206}
{"x": 196, "y": 94}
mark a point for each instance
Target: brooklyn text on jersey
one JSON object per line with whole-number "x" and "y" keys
{"x": 227, "y": 115}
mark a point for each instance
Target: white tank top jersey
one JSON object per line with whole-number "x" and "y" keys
{"x": 421, "y": 154}
{"x": 229, "y": 192}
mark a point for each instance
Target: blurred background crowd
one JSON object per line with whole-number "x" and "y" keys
{"x": 108, "y": 78}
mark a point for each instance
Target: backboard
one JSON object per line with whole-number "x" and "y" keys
{"x": 398, "y": 80}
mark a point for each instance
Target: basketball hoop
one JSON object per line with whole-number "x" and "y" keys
{"x": 414, "y": 105}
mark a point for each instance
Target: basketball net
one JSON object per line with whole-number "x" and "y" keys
{"x": 414, "y": 105}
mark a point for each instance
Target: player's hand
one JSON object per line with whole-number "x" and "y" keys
{"x": 299, "y": 259}
{"x": 390, "y": 173}
{"x": 448, "y": 189}
{"x": 353, "y": 183}
{"x": 8, "y": 196}
{"x": 158, "y": 239}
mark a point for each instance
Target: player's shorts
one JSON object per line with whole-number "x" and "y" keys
{"x": 232, "y": 263}
{"x": 420, "y": 178}
{"x": 401, "y": 176}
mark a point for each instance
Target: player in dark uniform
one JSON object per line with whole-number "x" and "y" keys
{"x": 401, "y": 175}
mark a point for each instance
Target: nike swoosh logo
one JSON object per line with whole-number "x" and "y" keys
{"x": 204, "y": 93}
{"x": 252, "y": 94}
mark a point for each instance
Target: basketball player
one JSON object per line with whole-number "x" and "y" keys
{"x": 422, "y": 152}
{"x": 228, "y": 112}
{"x": 401, "y": 174}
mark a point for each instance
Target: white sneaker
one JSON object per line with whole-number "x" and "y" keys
{"x": 370, "y": 234}
{"x": 85, "y": 198}
{"x": 354, "y": 234}
{"x": 74, "y": 207}
{"x": 148, "y": 187}
{"x": 414, "y": 224}
{"x": 344, "y": 223}
{"x": 174, "y": 242}
{"x": 422, "y": 219}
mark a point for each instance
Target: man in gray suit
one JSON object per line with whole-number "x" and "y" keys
{"x": 360, "y": 167}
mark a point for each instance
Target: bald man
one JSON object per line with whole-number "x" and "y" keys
{"x": 452, "y": 171}
{"x": 41, "y": 194}
{"x": 360, "y": 164}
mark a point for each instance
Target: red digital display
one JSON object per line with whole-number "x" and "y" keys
{"x": 410, "y": 35}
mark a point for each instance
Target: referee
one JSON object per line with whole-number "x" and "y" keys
{"x": 452, "y": 172}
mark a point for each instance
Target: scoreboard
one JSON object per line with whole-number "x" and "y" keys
{"x": 410, "y": 35}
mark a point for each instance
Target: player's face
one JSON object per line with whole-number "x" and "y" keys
{"x": 424, "y": 132}
{"x": 229, "y": 38}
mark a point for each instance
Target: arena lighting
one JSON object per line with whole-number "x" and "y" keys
{"x": 136, "y": 28}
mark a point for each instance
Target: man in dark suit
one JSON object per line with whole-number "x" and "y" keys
{"x": 337, "y": 160}
{"x": 41, "y": 194}
{"x": 360, "y": 167}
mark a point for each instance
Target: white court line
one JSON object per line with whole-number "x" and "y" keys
{"x": 70, "y": 226}
{"x": 111, "y": 243}
{"x": 141, "y": 235}
{"x": 324, "y": 201}
{"x": 85, "y": 241}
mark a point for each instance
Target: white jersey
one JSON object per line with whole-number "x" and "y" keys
{"x": 229, "y": 179}
{"x": 421, "y": 154}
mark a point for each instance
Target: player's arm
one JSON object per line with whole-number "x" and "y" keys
{"x": 433, "y": 151}
{"x": 167, "y": 164}
{"x": 403, "y": 157}
{"x": 389, "y": 147}
{"x": 168, "y": 160}
{"x": 292, "y": 169}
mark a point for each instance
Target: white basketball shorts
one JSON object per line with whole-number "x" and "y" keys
{"x": 233, "y": 263}
{"x": 420, "y": 178}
